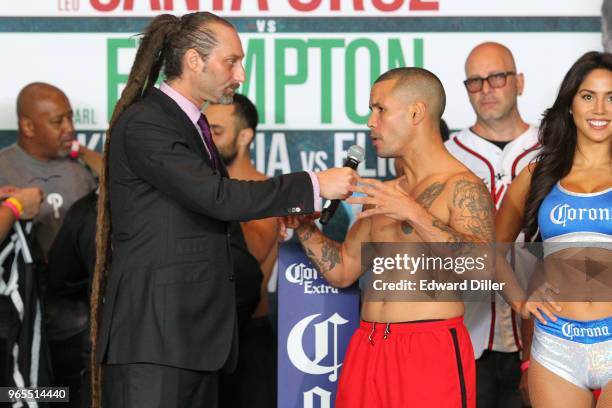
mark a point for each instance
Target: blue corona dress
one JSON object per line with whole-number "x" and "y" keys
{"x": 577, "y": 351}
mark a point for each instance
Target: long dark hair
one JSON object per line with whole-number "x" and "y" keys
{"x": 164, "y": 43}
{"x": 558, "y": 137}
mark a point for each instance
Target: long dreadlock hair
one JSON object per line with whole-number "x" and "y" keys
{"x": 163, "y": 43}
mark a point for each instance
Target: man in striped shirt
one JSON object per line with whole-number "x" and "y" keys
{"x": 496, "y": 148}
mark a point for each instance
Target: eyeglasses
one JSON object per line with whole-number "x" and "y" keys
{"x": 497, "y": 80}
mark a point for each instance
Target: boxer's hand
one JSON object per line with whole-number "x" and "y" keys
{"x": 30, "y": 198}
{"x": 383, "y": 199}
{"x": 334, "y": 183}
{"x": 286, "y": 223}
{"x": 295, "y": 222}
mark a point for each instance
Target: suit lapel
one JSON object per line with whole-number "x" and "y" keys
{"x": 187, "y": 127}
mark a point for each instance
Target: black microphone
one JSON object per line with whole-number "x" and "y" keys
{"x": 354, "y": 157}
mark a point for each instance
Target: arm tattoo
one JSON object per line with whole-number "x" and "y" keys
{"x": 429, "y": 195}
{"x": 426, "y": 199}
{"x": 306, "y": 235}
{"x": 454, "y": 235}
{"x": 330, "y": 254}
{"x": 474, "y": 207}
{"x": 458, "y": 242}
{"x": 330, "y": 250}
{"x": 313, "y": 258}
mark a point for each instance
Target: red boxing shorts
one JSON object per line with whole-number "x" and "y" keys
{"x": 426, "y": 364}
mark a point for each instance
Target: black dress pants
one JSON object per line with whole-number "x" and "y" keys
{"x": 156, "y": 386}
{"x": 253, "y": 384}
{"x": 68, "y": 369}
{"x": 497, "y": 380}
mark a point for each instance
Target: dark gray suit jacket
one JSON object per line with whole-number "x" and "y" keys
{"x": 170, "y": 296}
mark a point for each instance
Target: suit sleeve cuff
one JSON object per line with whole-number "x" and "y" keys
{"x": 315, "y": 191}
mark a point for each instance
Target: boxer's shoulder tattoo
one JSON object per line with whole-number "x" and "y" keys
{"x": 474, "y": 208}
{"x": 429, "y": 195}
{"x": 426, "y": 199}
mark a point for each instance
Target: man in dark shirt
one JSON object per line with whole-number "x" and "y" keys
{"x": 254, "y": 253}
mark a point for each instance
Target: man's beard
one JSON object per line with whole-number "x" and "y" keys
{"x": 62, "y": 153}
{"x": 229, "y": 157}
{"x": 228, "y": 99}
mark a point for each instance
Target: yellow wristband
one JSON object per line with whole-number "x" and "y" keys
{"x": 16, "y": 203}
{"x": 13, "y": 208}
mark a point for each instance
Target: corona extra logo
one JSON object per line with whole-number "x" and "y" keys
{"x": 322, "y": 333}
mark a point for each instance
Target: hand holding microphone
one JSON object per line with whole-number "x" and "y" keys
{"x": 355, "y": 156}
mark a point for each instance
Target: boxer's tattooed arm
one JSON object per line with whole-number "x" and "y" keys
{"x": 474, "y": 209}
{"x": 311, "y": 255}
{"x": 471, "y": 214}
{"x": 454, "y": 236}
{"x": 426, "y": 199}
{"x": 329, "y": 250}
{"x": 307, "y": 234}
{"x": 458, "y": 243}
{"x": 330, "y": 254}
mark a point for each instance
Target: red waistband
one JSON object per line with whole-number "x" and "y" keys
{"x": 408, "y": 327}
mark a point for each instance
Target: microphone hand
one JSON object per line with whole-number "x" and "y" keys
{"x": 334, "y": 184}
{"x": 354, "y": 156}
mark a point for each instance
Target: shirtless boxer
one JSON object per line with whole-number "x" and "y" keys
{"x": 407, "y": 354}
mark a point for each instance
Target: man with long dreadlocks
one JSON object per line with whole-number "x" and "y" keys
{"x": 165, "y": 323}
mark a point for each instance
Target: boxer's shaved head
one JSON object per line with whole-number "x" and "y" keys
{"x": 406, "y": 106}
{"x": 418, "y": 85}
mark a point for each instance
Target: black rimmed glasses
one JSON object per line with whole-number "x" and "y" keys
{"x": 496, "y": 80}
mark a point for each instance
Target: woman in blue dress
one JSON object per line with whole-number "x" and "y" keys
{"x": 565, "y": 197}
